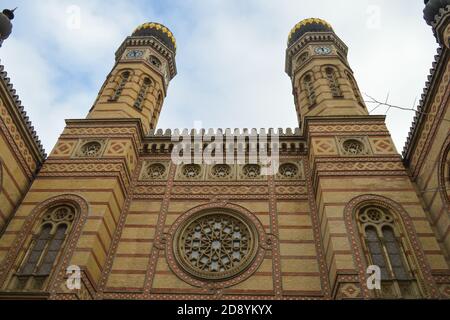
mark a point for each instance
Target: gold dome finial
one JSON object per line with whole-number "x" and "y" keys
{"x": 159, "y": 27}
{"x": 306, "y": 22}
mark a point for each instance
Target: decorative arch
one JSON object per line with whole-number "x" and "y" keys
{"x": 425, "y": 279}
{"x": 146, "y": 82}
{"x": 263, "y": 243}
{"x": 307, "y": 83}
{"x": 332, "y": 74}
{"x": 444, "y": 173}
{"x": 302, "y": 58}
{"x": 120, "y": 79}
{"x": 34, "y": 223}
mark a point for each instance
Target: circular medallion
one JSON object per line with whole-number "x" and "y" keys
{"x": 221, "y": 171}
{"x": 91, "y": 149}
{"x": 353, "y": 147}
{"x": 215, "y": 245}
{"x": 288, "y": 170}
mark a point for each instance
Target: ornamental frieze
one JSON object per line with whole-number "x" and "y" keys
{"x": 12, "y": 133}
{"x": 71, "y": 169}
{"x": 224, "y": 190}
{"x": 360, "y": 166}
{"x": 335, "y": 128}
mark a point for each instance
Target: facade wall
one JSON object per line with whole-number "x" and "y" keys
{"x": 429, "y": 158}
{"x": 20, "y": 157}
{"x": 132, "y": 203}
{"x": 376, "y": 172}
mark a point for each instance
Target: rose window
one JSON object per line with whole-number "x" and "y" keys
{"x": 251, "y": 170}
{"x": 353, "y": 147}
{"x": 216, "y": 246}
{"x": 58, "y": 214}
{"x": 156, "y": 171}
{"x": 288, "y": 170}
{"x": 91, "y": 149}
{"x": 221, "y": 171}
{"x": 375, "y": 215}
{"x": 191, "y": 170}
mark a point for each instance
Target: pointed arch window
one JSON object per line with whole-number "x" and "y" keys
{"x": 333, "y": 82}
{"x": 124, "y": 77}
{"x": 384, "y": 248}
{"x": 142, "y": 93}
{"x": 309, "y": 89}
{"x": 45, "y": 248}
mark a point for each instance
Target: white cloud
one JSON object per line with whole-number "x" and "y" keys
{"x": 230, "y": 57}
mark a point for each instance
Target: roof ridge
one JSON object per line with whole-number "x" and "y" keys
{"x": 421, "y": 106}
{"x": 220, "y": 131}
{"x": 18, "y": 103}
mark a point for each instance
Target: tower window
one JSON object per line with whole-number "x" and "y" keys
{"x": 333, "y": 82}
{"x": 302, "y": 59}
{"x": 309, "y": 88}
{"x": 155, "y": 61}
{"x": 384, "y": 248}
{"x": 124, "y": 77}
{"x": 142, "y": 93}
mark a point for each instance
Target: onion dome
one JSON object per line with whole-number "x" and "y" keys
{"x": 308, "y": 25}
{"x": 5, "y": 23}
{"x": 158, "y": 31}
{"x": 432, "y": 8}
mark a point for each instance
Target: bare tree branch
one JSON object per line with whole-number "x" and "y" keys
{"x": 390, "y": 106}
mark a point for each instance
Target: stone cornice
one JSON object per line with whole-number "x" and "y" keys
{"x": 20, "y": 116}
{"x": 438, "y": 67}
{"x": 155, "y": 44}
{"x": 311, "y": 37}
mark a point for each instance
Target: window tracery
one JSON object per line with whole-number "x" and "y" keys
{"x": 142, "y": 93}
{"x": 333, "y": 82}
{"x": 216, "y": 245}
{"x": 309, "y": 88}
{"x": 91, "y": 149}
{"x": 251, "y": 171}
{"x": 124, "y": 77}
{"x": 45, "y": 248}
{"x": 384, "y": 248}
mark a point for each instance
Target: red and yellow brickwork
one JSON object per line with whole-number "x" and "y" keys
{"x": 131, "y": 200}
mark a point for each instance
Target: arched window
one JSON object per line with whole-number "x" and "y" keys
{"x": 156, "y": 111}
{"x": 142, "y": 93}
{"x": 45, "y": 248}
{"x": 309, "y": 88}
{"x": 124, "y": 77}
{"x": 333, "y": 82}
{"x": 155, "y": 61}
{"x": 303, "y": 57}
{"x": 383, "y": 245}
{"x": 355, "y": 89}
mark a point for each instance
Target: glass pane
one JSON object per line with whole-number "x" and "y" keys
{"x": 53, "y": 250}
{"x": 376, "y": 252}
{"x": 395, "y": 255}
{"x": 36, "y": 251}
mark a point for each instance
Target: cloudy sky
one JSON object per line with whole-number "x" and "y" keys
{"x": 230, "y": 57}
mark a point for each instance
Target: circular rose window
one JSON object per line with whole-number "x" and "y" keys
{"x": 353, "y": 147}
{"x": 215, "y": 245}
{"x": 91, "y": 149}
